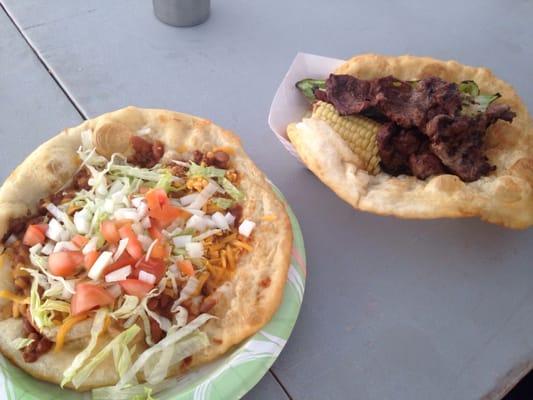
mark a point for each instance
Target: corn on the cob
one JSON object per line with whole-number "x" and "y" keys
{"x": 357, "y": 131}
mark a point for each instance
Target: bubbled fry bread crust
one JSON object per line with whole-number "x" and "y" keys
{"x": 248, "y": 303}
{"x": 504, "y": 197}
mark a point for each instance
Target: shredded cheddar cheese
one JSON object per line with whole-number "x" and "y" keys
{"x": 6, "y": 294}
{"x": 242, "y": 245}
{"x": 231, "y": 258}
{"x": 67, "y": 325}
{"x": 268, "y": 218}
{"x": 201, "y": 281}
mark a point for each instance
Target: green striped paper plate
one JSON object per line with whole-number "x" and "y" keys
{"x": 230, "y": 377}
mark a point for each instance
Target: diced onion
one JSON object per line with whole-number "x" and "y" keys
{"x": 146, "y": 223}
{"x": 82, "y": 221}
{"x": 36, "y": 249}
{"x": 100, "y": 264}
{"x": 61, "y": 216}
{"x": 246, "y": 227}
{"x": 189, "y": 199}
{"x": 230, "y": 218}
{"x": 219, "y": 219}
{"x": 48, "y": 248}
{"x": 181, "y": 241}
{"x": 137, "y": 201}
{"x": 126, "y": 213}
{"x": 55, "y": 231}
{"x": 62, "y": 246}
{"x": 205, "y": 195}
{"x": 195, "y": 249}
{"x": 145, "y": 241}
{"x": 150, "y": 248}
{"x": 122, "y": 244}
{"x": 198, "y": 213}
{"x": 90, "y": 246}
{"x": 206, "y": 234}
{"x": 197, "y": 223}
{"x": 146, "y": 277}
{"x": 119, "y": 274}
{"x": 142, "y": 211}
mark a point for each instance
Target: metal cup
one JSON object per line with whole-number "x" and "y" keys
{"x": 182, "y": 12}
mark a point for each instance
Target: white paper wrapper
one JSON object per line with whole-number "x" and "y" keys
{"x": 289, "y": 105}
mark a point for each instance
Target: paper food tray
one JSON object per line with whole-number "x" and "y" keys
{"x": 289, "y": 105}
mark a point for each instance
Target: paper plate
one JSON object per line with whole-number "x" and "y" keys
{"x": 230, "y": 377}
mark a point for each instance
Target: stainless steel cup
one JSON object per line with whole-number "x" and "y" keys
{"x": 182, "y": 12}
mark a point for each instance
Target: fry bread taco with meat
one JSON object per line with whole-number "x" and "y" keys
{"x": 136, "y": 246}
{"x": 416, "y": 137}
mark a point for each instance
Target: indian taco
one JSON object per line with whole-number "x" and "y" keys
{"x": 417, "y": 137}
{"x": 136, "y": 246}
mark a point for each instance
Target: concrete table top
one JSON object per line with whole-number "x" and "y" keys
{"x": 393, "y": 309}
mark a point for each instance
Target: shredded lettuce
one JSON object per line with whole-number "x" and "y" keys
{"x": 42, "y": 318}
{"x": 165, "y": 181}
{"x": 63, "y": 217}
{"x": 121, "y": 340}
{"x": 174, "y": 336}
{"x": 79, "y": 361}
{"x": 20, "y": 343}
{"x": 206, "y": 172}
{"x": 122, "y": 357}
{"x": 135, "y": 172}
{"x": 222, "y": 202}
{"x": 230, "y": 189}
{"x": 128, "y": 307}
{"x": 146, "y": 396}
{"x": 156, "y": 368}
{"x": 56, "y": 305}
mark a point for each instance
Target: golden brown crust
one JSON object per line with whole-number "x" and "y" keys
{"x": 504, "y": 197}
{"x": 246, "y": 306}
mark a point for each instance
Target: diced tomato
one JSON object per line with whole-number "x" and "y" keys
{"x": 80, "y": 241}
{"x": 34, "y": 235}
{"x": 109, "y": 231}
{"x": 160, "y": 250}
{"x": 119, "y": 223}
{"x": 155, "y": 199}
{"x": 90, "y": 259}
{"x": 123, "y": 260}
{"x": 155, "y": 232}
{"x": 134, "y": 247}
{"x": 135, "y": 287}
{"x": 65, "y": 263}
{"x": 87, "y": 297}
{"x": 170, "y": 213}
{"x": 42, "y": 227}
{"x": 159, "y": 207}
{"x": 153, "y": 266}
{"x": 186, "y": 267}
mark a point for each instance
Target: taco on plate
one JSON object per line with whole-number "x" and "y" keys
{"x": 136, "y": 246}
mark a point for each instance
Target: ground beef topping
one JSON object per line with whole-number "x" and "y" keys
{"x": 146, "y": 154}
